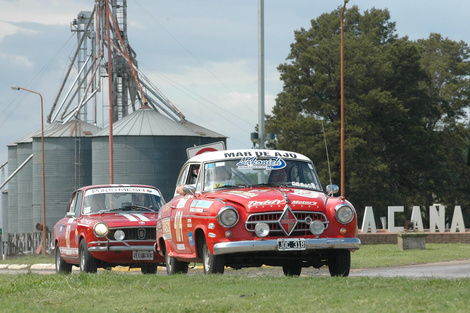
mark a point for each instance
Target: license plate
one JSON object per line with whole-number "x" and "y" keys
{"x": 291, "y": 244}
{"x": 142, "y": 255}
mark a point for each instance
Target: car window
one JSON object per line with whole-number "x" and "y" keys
{"x": 260, "y": 171}
{"x": 122, "y": 199}
{"x": 78, "y": 203}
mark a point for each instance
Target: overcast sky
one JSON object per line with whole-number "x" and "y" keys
{"x": 202, "y": 54}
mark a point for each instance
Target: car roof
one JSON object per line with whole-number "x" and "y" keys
{"x": 116, "y": 185}
{"x": 240, "y": 153}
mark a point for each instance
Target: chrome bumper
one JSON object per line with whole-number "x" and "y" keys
{"x": 103, "y": 246}
{"x": 271, "y": 245}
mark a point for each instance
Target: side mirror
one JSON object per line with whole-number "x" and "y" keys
{"x": 332, "y": 189}
{"x": 189, "y": 190}
{"x": 70, "y": 214}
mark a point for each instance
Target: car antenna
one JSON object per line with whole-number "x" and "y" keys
{"x": 326, "y": 148}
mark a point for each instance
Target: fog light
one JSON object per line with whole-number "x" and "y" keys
{"x": 262, "y": 230}
{"x": 119, "y": 235}
{"x": 228, "y": 234}
{"x": 317, "y": 228}
{"x": 343, "y": 231}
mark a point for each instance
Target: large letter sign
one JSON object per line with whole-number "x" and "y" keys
{"x": 416, "y": 218}
{"x": 391, "y": 219}
{"x": 457, "y": 221}
{"x": 369, "y": 221}
{"x": 437, "y": 219}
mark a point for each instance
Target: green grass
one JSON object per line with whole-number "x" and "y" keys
{"x": 110, "y": 291}
{"x": 117, "y": 292}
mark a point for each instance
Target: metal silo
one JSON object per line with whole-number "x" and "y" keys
{"x": 10, "y": 220}
{"x": 24, "y": 180}
{"x": 149, "y": 148}
{"x": 67, "y": 151}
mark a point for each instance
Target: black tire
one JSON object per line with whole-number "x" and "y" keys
{"x": 293, "y": 269}
{"x": 339, "y": 263}
{"x": 173, "y": 266}
{"x": 61, "y": 267}
{"x": 149, "y": 268}
{"x": 88, "y": 263}
{"x": 213, "y": 264}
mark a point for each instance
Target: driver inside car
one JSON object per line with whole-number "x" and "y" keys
{"x": 218, "y": 177}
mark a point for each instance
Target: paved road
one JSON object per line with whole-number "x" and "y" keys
{"x": 449, "y": 270}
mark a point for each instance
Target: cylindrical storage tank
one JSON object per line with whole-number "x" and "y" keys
{"x": 4, "y": 211}
{"x": 24, "y": 179}
{"x": 67, "y": 155}
{"x": 149, "y": 148}
{"x": 11, "y": 220}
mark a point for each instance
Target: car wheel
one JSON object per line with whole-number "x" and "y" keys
{"x": 292, "y": 269}
{"x": 173, "y": 266}
{"x": 339, "y": 263}
{"x": 213, "y": 264}
{"x": 149, "y": 268}
{"x": 61, "y": 267}
{"x": 87, "y": 261}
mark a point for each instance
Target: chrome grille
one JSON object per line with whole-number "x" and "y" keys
{"x": 135, "y": 233}
{"x": 272, "y": 219}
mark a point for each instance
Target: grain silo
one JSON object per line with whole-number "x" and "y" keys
{"x": 67, "y": 154}
{"x": 149, "y": 148}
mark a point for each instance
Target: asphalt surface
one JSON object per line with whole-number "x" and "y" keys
{"x": 446, "y": 270}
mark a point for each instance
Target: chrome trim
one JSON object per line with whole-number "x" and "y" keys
{"x": 254, "y": 218}
{"x": 271, "y": 245}
{"x": 104, "y": 246}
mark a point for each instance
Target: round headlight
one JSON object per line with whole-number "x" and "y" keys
{"x": 344, "y": 213}
{"x": 317, "y": 227}
{"x": 227, "y": 216}
{"x": 100, "y": 229}
{"x": 119, "y": 235}
{"x": 262, "y": 230}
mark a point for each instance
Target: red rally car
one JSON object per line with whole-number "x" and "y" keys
{"x": 109, "y": 225}
{"x": 248, "y": 208}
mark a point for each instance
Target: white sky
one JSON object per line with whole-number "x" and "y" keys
{"x": 202, "y": 54}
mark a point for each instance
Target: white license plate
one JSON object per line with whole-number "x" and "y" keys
{"x": 291, "y": 244}
{"x": 142, "y": 255}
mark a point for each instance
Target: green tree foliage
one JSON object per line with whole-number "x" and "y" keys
{"x": 406, "y": 105}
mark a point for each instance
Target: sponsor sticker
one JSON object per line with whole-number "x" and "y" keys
{"x": 270, "y": 163}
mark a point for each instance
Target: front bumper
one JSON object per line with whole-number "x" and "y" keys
{"x": 272, "y": 245}
{"x": 103, "y": 246}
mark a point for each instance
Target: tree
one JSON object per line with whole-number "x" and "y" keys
{"x": 393, "y": 147}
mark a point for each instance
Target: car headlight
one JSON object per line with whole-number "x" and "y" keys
{"x": 100, "y": 229}
{"x": 344, "y": 213}
{"x": 227, "y": 216}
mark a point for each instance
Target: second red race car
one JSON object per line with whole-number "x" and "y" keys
{"x": 109, "y": 225}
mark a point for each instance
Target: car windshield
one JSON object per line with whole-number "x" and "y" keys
{"x": 101, "y": 200}
{"x": 251, "y": 172}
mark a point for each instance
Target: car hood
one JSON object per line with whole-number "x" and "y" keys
{"x": 266, "y": 198}
{"x": 128, "y": 219}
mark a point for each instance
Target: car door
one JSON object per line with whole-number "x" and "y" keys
{"x": 180, "y": 220}
{"x": 69, "y": 248}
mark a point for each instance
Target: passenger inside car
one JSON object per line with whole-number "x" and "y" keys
{"x": 95, "y": 204}
{"x": 277, "y": 176}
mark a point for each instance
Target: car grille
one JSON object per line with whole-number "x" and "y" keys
{"x": 135, "y": 233}
{"x": 273, "y": 219}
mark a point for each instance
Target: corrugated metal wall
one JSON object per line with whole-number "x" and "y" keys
{"x": 151, "y": 160}
{"x": 24, "y": 180}
{"x": 67, "y": 167}
{"x": 11, "y": 221}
